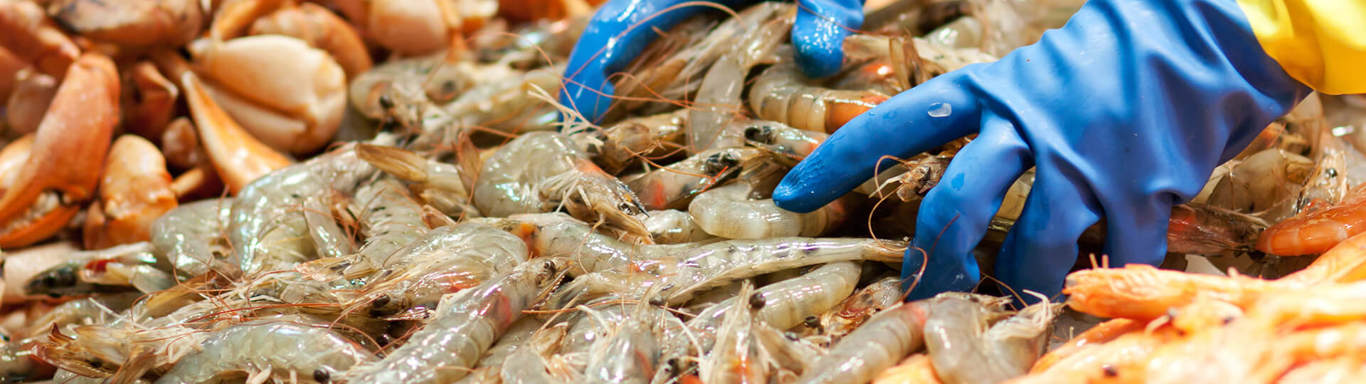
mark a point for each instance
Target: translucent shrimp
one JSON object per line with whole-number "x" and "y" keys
{"x": 527, "y": 364}
{"x": 734, "y": 357}
{"x": 670, "y": 68}
{"x": 672, "y": 226}
{"x": 851, "y": 313}
{"x": 788, "y": 303}
{"x": 519, "y": 336}
{"x": 507, "y": 102}
{"x": 594, "y": 321}
{"x": 466, "y": 324}
{"x": 784, "y": 304}
{"x": 558, "y": 235}
{"x": 280, "y": 348}
{"x": 18, "y": 364}
{"x": 111, "y": 269}
{"x": 680, "y": 274}
{"x": 675, "y": 186}
{"x": 781, "y": 94}
{"x": 884, "y": 340}
{"x": 18, "y": 361}
{"x": 1263, "y": 181}
{"x": 527, "y": 45}
{"x": 1331, "y": 179}
{"x": 729, "y": 212}
{"x": 628, "y": 355}
{"x": 444, "y": 97}
{"x": 541, "y": 171}
{"x": 792, "y": 144}
{"x": 623, "y": 144}
{"x": 269, "y": 231}
{"x": 329, "y": 240}
{"x": 446, "y": 260}
{"x": 444, "y": 186}
{"x": 960, "y": 331}
{"x": 712, "y": 265}
{"x": 789, "y": 354}
{"x": 719, "y": 96}
{"x": 192, "y": 238}
{"x": 389, "y": 218}
{"x": 392, "y": 83}
{"x": 91, "y": 310}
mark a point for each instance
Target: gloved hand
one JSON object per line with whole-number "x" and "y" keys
{"x": 1124, "y": 112}
{"x": 621, "y": 29}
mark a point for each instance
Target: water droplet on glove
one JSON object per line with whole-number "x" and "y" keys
{"x": 940, "y": 110}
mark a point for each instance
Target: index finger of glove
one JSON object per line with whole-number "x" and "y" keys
{"x": 818, "y": 33}
{"x": 911, "y": 122}
{"x": 618, "y": 32}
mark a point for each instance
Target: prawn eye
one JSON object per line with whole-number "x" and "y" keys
{"x": 758, "y": 133}
{"x": 60, "y": 278}
{"x": 321, "y": 375}
{"x": 757, "y": 301}
{"x": 1109, "y": 370}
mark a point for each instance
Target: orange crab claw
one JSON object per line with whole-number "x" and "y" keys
{"x": 238, "y": 157}
{"x": 26, "y": 32}
{"x": 67, "y": 154}
{"x": 134, "y": 191}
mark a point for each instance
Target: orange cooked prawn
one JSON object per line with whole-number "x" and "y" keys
{"x": 1317, "y": 231}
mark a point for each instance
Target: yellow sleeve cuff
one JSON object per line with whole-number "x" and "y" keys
{"x": 1321, "y": 43}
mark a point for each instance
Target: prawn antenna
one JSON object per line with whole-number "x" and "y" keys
{"x": 1013, "y": 293}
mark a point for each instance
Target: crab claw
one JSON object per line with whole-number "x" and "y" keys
{"x": 67, "y": 155}
{"x": 238, "y": 157}
{"x": 27, "y": 33}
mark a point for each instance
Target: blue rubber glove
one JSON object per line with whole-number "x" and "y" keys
{"x": 621, "y": 29}
{"x": 1124, "y": 112}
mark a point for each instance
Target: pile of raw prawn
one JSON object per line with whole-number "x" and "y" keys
{"x": 449, "y": 221}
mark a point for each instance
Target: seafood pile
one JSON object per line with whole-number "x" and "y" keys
{"x": 437, "y": 216}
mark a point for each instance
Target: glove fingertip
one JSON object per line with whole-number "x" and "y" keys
{"x": 796, "y": 196}
{"x": 819, "y": 47}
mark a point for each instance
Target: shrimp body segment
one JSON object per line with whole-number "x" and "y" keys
{"x": 540, "y": 171}
{"x": 466, "y": 325}
{"x": 780, "y": 94}
{"x": 191, "y": 238}
{"x": 880, "y": 343}
{"x": 728, "y": 212}
{"x": 284, "y": 349}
